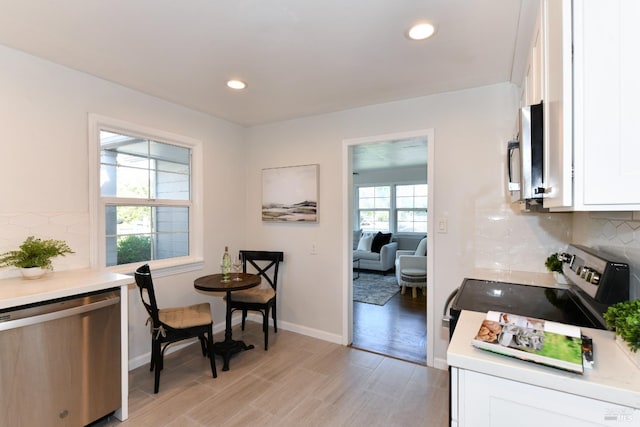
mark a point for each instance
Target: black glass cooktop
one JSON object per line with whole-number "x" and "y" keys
{"x": 558, "y": 305}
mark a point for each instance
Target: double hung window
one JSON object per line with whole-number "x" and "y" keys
{"x": 411, "y": 208}
{"x": 374, "y": 208}
{"x": 145, "y": 196}
{"x": 400, "y": 208}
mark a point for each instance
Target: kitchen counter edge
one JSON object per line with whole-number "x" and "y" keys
{"x": 17, "y": 291}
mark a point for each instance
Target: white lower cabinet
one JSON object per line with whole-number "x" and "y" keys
{"x": 480, "y": 400}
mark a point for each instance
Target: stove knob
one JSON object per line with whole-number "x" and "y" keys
{"x": 585, "y": 271}
{"x": 588, "y": 276}
{"x": 595, "y": 278}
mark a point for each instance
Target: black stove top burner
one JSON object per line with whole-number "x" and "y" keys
{"x": 553, "y": 304}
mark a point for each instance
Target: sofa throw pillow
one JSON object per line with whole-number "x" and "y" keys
{"x": 365, "y": 243}
{"x": 379, "y": 240}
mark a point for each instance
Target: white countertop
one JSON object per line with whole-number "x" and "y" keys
{"x": 57, "y": 284}
{"x": 614, "y": 377}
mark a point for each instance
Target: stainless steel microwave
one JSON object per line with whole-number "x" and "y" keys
{"x": 525, "y": 157}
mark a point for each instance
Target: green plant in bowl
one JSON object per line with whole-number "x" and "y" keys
{"x": 624, "y": 317}
{"x": 553, "y": 263}
{"x": 35, "y": 252}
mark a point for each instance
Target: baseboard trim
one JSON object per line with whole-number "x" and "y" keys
{"x": 440, "y": 363}
{"x": 303, "y": 330}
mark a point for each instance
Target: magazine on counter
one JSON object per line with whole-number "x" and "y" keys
{"x": 535, "y": 340}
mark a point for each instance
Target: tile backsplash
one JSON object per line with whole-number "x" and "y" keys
{"x": 72, "y": 227}
{"x": 615, "y": 232}
{"x": 505, "y": 240}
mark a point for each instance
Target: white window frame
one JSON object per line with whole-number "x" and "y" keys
{"x": 97, "y": 204}
{"x": 393, "y": 210}
{"x": 389, "y": 210}
{"x": 397, "y": 210}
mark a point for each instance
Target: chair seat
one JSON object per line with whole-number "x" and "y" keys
{"x": 413, "y": 278}
{"x": 413, "y": 275}
{"x": 260, "y": 295}
{"x": 186, "y": 317}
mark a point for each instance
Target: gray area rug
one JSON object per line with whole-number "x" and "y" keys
{"x": 374, "y": 288}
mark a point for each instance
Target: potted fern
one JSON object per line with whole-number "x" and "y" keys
{"x": 624, "y": 317}
{"x": 554, "y": 265}
{"x": 34, "y": 255}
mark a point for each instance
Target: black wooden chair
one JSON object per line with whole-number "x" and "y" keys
{"x": 261, "y": 298}
{"x": 170, "y": 325}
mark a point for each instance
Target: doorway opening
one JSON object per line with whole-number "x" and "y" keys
{"x": 398, "y": 326}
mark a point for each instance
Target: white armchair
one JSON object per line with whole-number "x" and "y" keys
{"x": 411, "y": 268}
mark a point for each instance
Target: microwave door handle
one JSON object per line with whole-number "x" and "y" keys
{"x": 510, "y": 149}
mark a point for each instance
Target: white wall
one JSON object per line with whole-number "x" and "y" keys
{"x": 44, "y": 170}
{"x": 471, "y": 129}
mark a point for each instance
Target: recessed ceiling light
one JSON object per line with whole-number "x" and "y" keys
{"x": 421, "y": 31}
{"x": 236, "y": 84}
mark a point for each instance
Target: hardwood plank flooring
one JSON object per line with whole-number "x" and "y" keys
{"x": 299, "y": 381}
{"x": 397, "y": 329}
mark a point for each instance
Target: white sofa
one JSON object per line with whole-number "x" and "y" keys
{"x": 382, "y": 261}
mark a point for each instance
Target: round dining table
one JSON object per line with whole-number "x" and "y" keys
{"x": 237, "y": 282}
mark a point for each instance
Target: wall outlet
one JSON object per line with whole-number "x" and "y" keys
{"x": 314, "y": 248}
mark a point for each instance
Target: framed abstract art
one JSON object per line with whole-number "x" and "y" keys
{"x": 290, "y": 194}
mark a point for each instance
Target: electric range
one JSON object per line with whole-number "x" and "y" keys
{"x": 596, "y": 281}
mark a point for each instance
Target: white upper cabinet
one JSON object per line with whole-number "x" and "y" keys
{"x": 607, "y": 102}
{"x": 558, "y": 96}
{"x": 591, "y": 98}
{"x": 534, "y": 77}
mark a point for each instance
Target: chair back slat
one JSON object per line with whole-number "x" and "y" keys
{"x": 257, "y": 260}
{"x": 147, "y": 294}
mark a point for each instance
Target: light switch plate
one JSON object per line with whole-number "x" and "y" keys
{"x": 442, "y": 225}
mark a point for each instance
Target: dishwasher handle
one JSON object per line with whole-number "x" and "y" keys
{"x": 32, "y": 320}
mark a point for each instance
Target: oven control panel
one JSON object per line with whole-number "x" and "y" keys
{"x": 597, "y": 274}
{"x": 587, "y": 271}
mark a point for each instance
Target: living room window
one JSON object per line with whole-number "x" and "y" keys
{"x": 400, "y": 208}
{"x": 145, "y": 203}
{"x": 411, "y": 208}
{"x": 374, "y": 208}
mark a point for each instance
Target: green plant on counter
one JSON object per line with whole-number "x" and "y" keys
{"x": 553, "y": 263}
{"x": 35, "y": 253}
{"x": 624, "y": 317}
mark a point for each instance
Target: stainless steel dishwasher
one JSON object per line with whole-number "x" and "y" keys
{"x": 60, "y": 361}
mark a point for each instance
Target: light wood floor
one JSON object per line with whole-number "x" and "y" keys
{"x": 300, "y": 381}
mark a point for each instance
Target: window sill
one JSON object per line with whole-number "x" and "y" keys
{"x": 163, "y": 267}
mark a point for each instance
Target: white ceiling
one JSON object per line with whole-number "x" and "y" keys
{"x": 402, "y": 153}
{"x": 299, "y": 57}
